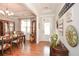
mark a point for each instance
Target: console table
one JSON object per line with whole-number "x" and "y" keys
{"x": 60, "y": 50}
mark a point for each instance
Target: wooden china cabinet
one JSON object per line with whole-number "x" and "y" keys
{"x": 6, "y": 42}
{"x": 1, "y": 28}
{"x": 33, "y": 31}
{"x": 6, "y": 27}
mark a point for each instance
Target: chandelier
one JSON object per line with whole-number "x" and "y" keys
{"x": 6, "y": 12}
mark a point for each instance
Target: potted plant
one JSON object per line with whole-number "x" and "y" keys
{"x": 54, "y": 40}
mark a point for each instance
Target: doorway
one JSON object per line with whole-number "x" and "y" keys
{"x": 47, "y": 30}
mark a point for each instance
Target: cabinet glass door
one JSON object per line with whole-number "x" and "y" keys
{"x": 11, "y": 26}
{"x": 6, "y": 27}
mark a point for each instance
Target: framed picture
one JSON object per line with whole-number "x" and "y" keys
{"x": 60, "y": 26}
{"x": 65, "y": 8}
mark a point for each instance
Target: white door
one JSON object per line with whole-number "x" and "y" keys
{"x": 47, "y": 31}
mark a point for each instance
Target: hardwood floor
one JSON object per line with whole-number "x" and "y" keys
{"x": 30, "y": 49}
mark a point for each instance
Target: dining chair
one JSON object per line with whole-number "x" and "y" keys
{"x": 5, "y": 44}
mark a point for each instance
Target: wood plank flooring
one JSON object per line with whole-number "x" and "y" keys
{"x": 30, "y": 49}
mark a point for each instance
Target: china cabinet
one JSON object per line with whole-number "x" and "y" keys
{"x": 1, "y": 28}
{"x": 33, "y": 31}
{"x": 6, "y": 27}
{"x": 11, "y": 26}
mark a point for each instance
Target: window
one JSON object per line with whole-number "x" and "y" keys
{"x": 25, "y": 26}
{"x": 47, "y": 28}
{"x": 28, "y": 26}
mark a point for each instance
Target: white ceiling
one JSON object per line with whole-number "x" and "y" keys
{"x": 23, "y": 10}
{"x": 45, "y": 8}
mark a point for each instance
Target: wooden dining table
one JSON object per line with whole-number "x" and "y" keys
{"x": 10, "y": 38}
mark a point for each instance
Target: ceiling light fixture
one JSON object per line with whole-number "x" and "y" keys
{"x": 6, "y": 12}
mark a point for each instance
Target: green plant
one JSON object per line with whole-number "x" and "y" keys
{"x": 54, "y": 39}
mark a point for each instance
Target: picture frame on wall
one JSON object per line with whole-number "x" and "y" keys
{"x": 65, "y": 8}
{"x": 57, "y": 24}
{"x": 69, "y": 16}
{"x": 60, "y": 27}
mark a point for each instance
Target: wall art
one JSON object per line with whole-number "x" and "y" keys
{"x": 72, "y": 36}
{"x": 65, "y": 8}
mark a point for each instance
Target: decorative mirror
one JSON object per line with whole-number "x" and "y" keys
{"x": 71, "y": 36}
